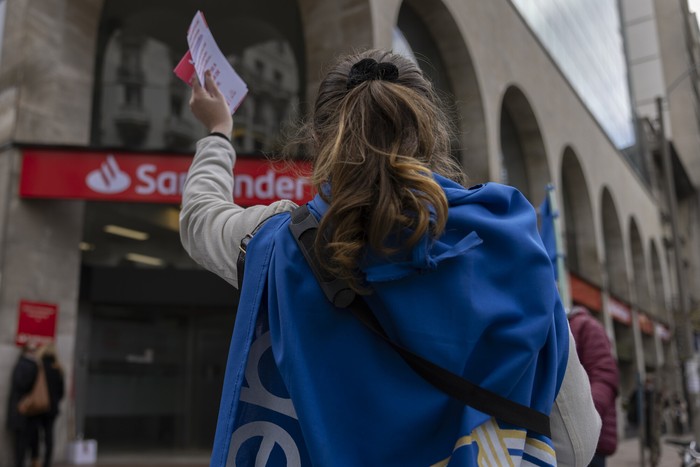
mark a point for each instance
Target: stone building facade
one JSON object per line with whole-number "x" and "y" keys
{"x": 142, "y": 343}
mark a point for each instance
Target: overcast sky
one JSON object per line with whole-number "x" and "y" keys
{"x": 694, "y": 5}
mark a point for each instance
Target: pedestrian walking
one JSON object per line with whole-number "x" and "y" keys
{"x": 595, "y": 352}
{"x": 20, "y": 425}
{"x": 42, "y": 434}
{"x": 652, "y": 407}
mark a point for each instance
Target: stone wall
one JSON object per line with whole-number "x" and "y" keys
{"x": 46, "y": 77}
{"x": 46, "y": 80}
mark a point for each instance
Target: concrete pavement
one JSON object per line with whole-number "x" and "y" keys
{"x": 627, "y": 455}
{"x": 150, "y": 460}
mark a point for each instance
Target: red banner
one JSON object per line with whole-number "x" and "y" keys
{"x": 662, "y": 331}
{"x": 149, "y": 178}
{"x": 620, "y": 311}
{"x": 646, "y": 324}
{"x": 586, "y": 294}
{"x": 36, "y": 323}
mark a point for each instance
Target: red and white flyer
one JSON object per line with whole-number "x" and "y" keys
{"x": 205, "y": 55}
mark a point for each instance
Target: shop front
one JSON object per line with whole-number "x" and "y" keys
{"x": 655, "y": 335}
{"x": 153, "y": 327}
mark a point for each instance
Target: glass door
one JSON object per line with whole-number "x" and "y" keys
{"x": 154, "y": 377}
{"x": 137, "y": 379}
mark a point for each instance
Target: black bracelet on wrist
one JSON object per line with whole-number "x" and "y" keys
{"x": 221, "y": 135}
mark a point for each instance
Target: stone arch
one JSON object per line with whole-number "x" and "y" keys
{"x": 615, "y": 264}
{"x": 640, "y": 287}
{"x": 523, "y": 157}
{"x": 332, "y": 28}
{"x": 579, "y": 225}
{"x": 458, "y": 79}
{"x": 639, "y": 267}
{"x": 615, "y": 267}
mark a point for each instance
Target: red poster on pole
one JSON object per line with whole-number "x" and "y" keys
{"x": 36, "y": 323}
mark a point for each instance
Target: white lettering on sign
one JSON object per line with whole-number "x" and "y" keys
{"x": 164, "y": 183}
{"x": 269, "y": 186}
{"x": 109, "y": 178}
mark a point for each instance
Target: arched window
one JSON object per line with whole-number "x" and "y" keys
{"x": 523, "y": 158}
{"x": 138, "y": 101}
{"x": 413, "y": 39}
{"x": 582, "y": 256}
{"x": 427, "y": 33}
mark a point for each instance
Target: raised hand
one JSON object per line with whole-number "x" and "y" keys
{"x": 210, "y": 107}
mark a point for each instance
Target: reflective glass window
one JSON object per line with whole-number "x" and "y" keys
{"x": 513, "y": 171}
{"x": 585, "y": 40}
{"x": 139, "y": 103}
{"x": 413, "y": 39}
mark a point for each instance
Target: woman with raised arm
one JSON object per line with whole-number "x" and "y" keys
{"x": 457, "y": 276}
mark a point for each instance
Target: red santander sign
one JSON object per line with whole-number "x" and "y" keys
{"x": 149, "y": 178}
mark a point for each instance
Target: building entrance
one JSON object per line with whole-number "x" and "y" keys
{"x": 154, "y": 376}
{"x": 153, "y": 335}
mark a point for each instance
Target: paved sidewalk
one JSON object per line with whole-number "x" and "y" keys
{"x": 149, "y": 460}
{"x": 627, "y": 455}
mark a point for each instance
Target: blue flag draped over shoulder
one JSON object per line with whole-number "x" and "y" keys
{"x": 308, "y": 384}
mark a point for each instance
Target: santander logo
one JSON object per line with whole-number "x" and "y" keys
{"x": 141, "y": 178}
{"x": 109, "y": 178}
{"x": 152, "y": 178}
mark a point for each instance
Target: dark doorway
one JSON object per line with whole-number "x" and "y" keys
{"x": 157, "y": 342}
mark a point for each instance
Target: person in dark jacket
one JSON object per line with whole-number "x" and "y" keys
{"x": 595, "y": 352}
{"x": 44, "y": 422}
{"x": 651, "y": 404}
{"x": 20, "y": 426}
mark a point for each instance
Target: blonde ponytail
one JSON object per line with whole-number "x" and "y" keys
{"x": 376, "y": 144}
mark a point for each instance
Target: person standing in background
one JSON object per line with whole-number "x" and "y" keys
{"x": 595, "y": 352}
{"x": 20, "y": 426}
{"x": 43, "y": 423}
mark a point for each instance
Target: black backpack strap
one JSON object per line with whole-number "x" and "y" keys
{"x": 242, "y": 250}
{"x": 304, "y": 228}
{"x": 240, "y": 263}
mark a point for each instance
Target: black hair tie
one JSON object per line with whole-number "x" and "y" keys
{"x": 368, "y": 68}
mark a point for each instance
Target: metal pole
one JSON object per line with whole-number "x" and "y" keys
{"x": 642, "y": 413}
{"x": 684, "y": 331}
